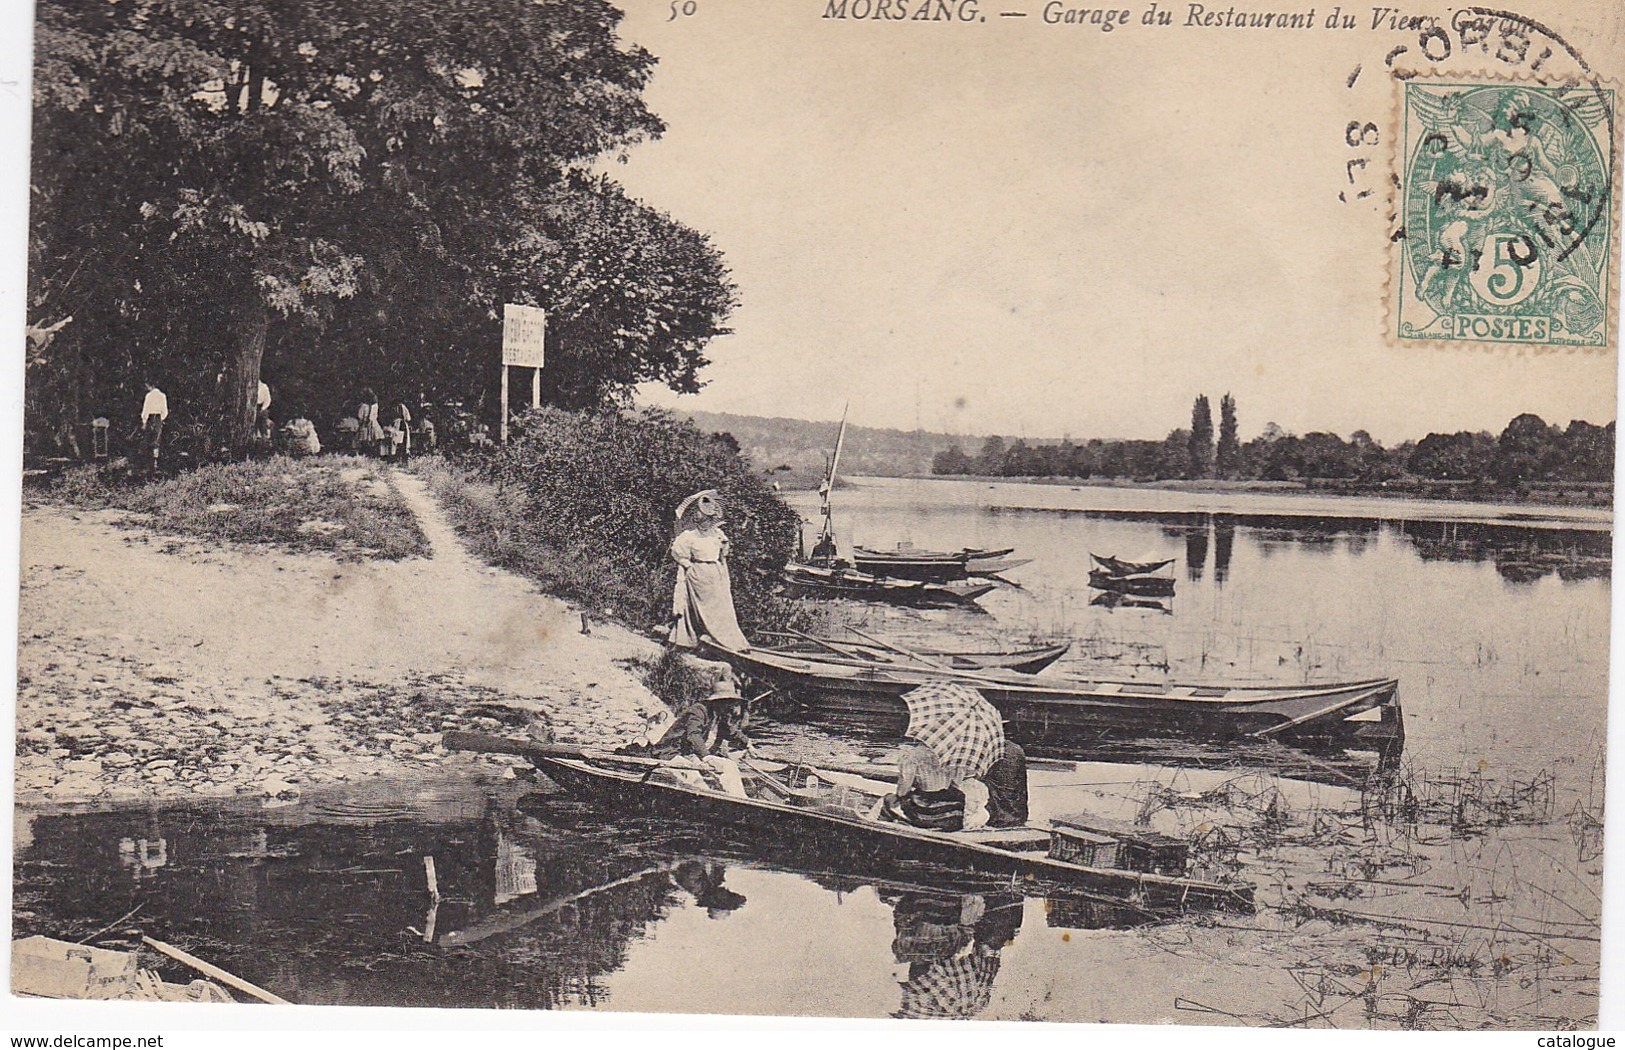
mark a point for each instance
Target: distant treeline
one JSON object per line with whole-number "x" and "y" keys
{"x": 1527, "y": 452}
{"x": 801, "y": 448}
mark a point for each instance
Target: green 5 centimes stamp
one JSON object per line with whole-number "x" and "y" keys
{"x": 1507, "y": 199}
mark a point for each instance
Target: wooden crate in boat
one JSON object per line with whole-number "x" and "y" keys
{"x": 1138, "y": 848}
{"x": 1082, "y": 847}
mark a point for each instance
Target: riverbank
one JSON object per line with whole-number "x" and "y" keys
{"x": 156, "y": 666}
{"x": 1165, "y": 502}
{"x": 1555, "y": 496}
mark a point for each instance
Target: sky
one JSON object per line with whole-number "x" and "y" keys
{"x": 1042, "y": 230}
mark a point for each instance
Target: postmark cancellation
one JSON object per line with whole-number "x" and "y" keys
{"x": 1507, "y": 205}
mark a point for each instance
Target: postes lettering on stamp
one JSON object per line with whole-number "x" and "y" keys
{"x": 1506, "y": 191}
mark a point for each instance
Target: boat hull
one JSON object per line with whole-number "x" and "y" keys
{"x": 935, "y": 566}
{"x": 812, "y": 582}
{"x": 775, "y": 824}
{"x": 1062, "y": 713}
{"x": 1119, "y": 567}
{"x": 1026, "y": 661}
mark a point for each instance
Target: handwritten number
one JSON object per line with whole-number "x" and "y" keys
{"x": 688, "y": 8}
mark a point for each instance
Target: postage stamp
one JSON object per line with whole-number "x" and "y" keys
{"x": 1506, "y": 196}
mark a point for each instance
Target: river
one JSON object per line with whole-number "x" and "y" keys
{"x": 1495, "y": 622}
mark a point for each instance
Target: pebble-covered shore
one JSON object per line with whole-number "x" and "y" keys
{"x": 98, "y": 726}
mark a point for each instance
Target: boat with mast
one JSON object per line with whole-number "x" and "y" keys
{"x": 825, "y": 574}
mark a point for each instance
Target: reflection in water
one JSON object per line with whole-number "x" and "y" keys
{"x": 1195, "y": 552}
{"x": 704, "y": 881}
{"x": 532, "y": 913}
{"x": 143, "y": 856}
{"x": 1224, "y": 539}
{"x": 1521, "y": 554}
{"x": 1118, "y": 600}
{"x": 947, "y": 949}
{"x": 515, "y": 869}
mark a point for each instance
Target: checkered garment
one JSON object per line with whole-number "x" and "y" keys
{"x": 960, "y": 987}
{"x": 956, "y": 722}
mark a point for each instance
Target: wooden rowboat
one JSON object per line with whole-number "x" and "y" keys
{"x": 935, "y": 566}
{"x": 1067, "y": 712}
{"x": 814, "y": 581}
{"x": 972, "y": 553}
{"x": 824, "y": 809}
{"x": 1028, "y": 660}
{"x": 1120, "y": 567}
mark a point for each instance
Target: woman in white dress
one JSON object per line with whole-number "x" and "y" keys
{"x": 702, "y": 603}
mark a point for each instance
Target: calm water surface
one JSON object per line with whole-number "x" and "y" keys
{"x": 1497, "y": 631}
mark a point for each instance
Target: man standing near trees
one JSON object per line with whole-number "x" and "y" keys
{"x": 154, "y": 411}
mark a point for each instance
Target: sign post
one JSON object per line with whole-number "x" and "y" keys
{"x": 524, "y": 329}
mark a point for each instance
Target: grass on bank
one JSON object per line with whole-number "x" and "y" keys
{"x": 499, "y": 522}
{"x": 494, "y": 522}
{"x": 330, "y": 504}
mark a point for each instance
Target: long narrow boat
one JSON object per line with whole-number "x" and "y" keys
{"x": 1065, "y": 711}
{"x": 935, "y": 566}
{"x": 816, "y": 581}
{"x": 827, "y": 810}
{"x": 1027, "y": 660}
{"x": 900, "y": 551}
{"x": 1121, "y": 567}
{"x": 994, "y": 566}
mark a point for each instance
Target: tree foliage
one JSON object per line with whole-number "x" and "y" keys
{"x": 594, "y": 495}
{"x": 1527, "y": 452}
{"x": 1228, "y": 456}
{"x": 1201, "y": 441}
{"x": 351, "y": 188}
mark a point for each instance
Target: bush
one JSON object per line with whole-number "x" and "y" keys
{"x": 677, "y": 681}
{"x": 585, "y": 502}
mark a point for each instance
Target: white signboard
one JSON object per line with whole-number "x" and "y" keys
{"x": 523, "y": 328}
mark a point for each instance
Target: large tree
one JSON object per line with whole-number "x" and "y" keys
{"x": 1462, "y": 456}
{"x": 1201, "y": 439}
{"x": 356, "y": 184}
{"x": 1227, "y": 461}
{"x": 1527, "y": 450}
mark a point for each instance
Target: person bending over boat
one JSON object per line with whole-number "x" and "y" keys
{"x": 1006, "y": 782}
{"x": 701, "y": 738}
{"x": 702, "y": 603}
{"x": 926, "y": 794}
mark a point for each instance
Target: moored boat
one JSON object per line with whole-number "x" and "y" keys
{"x": 1122, "y": 567}
{"x": 1026, "y": 660}
{"x": 994, "y": 566}
{"x": 903, "y": 551}
{"x": 935, "y": 566}
{"x": 817, "y": 581}
{"x": 827, "y": 809}
{"x": 1061, "y": 711}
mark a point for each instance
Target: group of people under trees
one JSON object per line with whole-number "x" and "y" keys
{"x": 371, "y": 430}
{"x": 298, "y": 437}
{"x": 704, "y": 734}
{"x": 392, "y": 433}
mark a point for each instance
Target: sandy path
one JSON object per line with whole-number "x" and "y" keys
{"x": 110, "y": 611}
{"x": 251, "y": 613}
